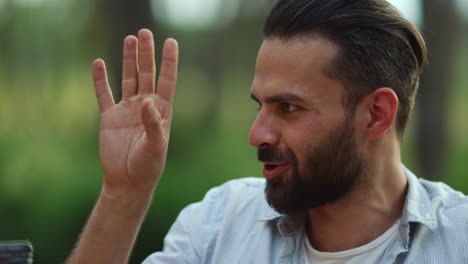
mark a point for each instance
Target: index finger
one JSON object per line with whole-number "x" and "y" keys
{"x": 168, "y": 74}
{"x": 103, "y": 91}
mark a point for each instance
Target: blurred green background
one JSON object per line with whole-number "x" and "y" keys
{"x": 50, "y": 173}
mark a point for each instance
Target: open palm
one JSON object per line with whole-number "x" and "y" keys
{"x": 134, "y": 133}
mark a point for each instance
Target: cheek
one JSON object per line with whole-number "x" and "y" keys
{"x": 299, "y": 143}
{"x": 297, "y": 138}
{"x": 304, "y": 134}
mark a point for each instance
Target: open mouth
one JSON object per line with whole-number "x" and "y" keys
{"x": 270, "y": 166}
{"x": 273, "y": 170}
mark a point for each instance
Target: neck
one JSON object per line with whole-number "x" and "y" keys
{"x": 366, "y": 212}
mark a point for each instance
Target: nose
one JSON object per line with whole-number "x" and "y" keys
{"x": 263, "y": 133}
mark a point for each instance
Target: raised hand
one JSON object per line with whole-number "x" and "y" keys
{"x": 134, "y": 134}
{"x": 133, "y": 139}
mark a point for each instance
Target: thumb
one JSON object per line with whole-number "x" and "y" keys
{"x": 152, "y": 121}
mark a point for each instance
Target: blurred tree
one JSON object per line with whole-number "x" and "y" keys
{"x": 119, "y": 18}
{"x": 442, "y": 30}
{"x": 245, "y": 35}
{"x": 225, "y": 49}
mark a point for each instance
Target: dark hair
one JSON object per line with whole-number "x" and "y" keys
{"x": 377, "y": 47}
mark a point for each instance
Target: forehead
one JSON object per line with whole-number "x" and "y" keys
{"x": 295, "y": 65}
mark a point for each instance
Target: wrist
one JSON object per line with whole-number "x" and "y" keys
{"x": 127, "y": 199}
{"x": 113, "y": 226}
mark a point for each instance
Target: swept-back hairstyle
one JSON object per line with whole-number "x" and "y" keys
{"x": 377, "y": 47}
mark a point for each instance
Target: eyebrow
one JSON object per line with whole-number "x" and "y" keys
{"x": 282, "y": 97}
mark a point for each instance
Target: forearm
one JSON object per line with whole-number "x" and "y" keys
{"x": 112, "y": 229}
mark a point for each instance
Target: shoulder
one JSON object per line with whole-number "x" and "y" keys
{"x": 249, "y": 186}
{"x": 238, "y": 190}
{"x": 238, "y": 197}
{"x": 447, "y": 241}
{"x": 445, "y": 199}
{"x": 450, "y": 208}
{"x": 201, "y": 227}
{"x": 227, "y": 214}
{"x": 241, "y": 198}
{"x": 442, "y": 214}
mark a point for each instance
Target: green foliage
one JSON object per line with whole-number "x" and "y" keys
{"x": 50, "y": 173}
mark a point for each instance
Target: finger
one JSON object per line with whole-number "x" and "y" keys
{"x": 129, "y": 67}
{"x": 103, "y": 91}
{"x": 151, "y": 121}
{"x": 168, "y": 76}
{"x": 147, "y": 66}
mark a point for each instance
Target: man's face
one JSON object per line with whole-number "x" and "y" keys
{"x": 302, "y": 134}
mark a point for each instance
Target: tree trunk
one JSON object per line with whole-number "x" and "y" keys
{"x": 120, "y": 18}
{"x": 442, "y": 31}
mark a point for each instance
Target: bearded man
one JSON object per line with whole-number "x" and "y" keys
{"x": 335, "y": 82}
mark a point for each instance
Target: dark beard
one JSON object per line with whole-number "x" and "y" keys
{"x": 329, "y": 172}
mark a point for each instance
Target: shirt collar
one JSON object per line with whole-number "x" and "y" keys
{"x": 286, "y": 225}
{"x": 269, "y": 215}
{"x": 418, "y": 206}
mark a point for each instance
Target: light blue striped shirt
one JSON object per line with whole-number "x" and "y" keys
{"x": 234, "y": 224}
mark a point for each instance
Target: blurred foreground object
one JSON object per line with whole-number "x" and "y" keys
{"x": 16, "y": 252}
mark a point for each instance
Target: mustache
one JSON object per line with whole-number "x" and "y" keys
{"x": 274, "y": 155}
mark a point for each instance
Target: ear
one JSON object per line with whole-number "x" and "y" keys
{"x": 382, "y": 109}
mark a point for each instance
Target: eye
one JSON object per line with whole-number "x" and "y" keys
{"x": 287, "y": 108}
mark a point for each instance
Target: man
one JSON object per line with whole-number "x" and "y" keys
{"x": 335, "y": 82}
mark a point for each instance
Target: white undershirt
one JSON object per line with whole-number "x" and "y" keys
{"x": 371, "y": 252}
